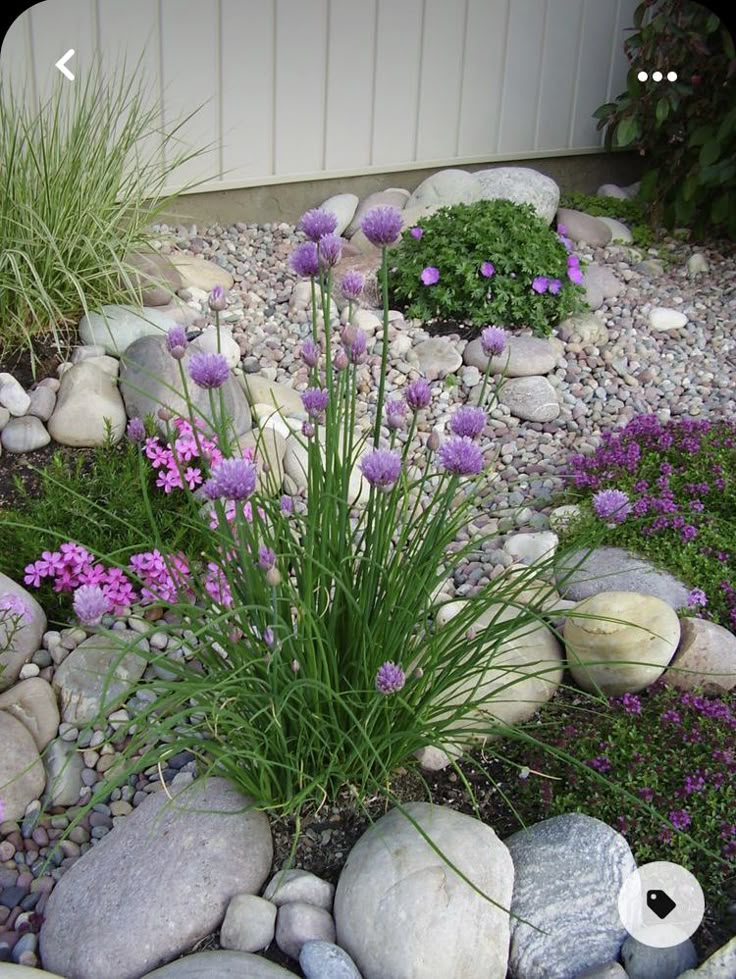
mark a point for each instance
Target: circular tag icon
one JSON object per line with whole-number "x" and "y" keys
{"x": 661, "y": 904}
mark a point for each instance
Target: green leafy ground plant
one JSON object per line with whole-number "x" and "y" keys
{"x": 488, "y": 262}
{"x": 631, "y": 211}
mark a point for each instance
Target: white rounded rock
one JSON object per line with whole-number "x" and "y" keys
{"x": 343, "y": 206}
{"x": 12, "y": 396}
{"x": 207, "y": 342}
{"x": 661, "y": 318}
{"x": 249, "y": 925}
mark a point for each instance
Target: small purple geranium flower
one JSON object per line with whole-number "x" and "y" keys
{"x": 390, "y": 678}
{"x": 540, "y": 284}
{"x": 487, "y": 269}
{"x": 416, "y": 232}
{"x": 430, "y": 276}
{"x": 554, "y": 286}
{"x": 381, "y": 467}
{"x": 575, "y": 275}
{"x": 461, "y": 456}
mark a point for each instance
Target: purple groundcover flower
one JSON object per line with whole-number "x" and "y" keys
{"x": 310, "y": 352}
{"x": 468, "y": 422}
{"x": 330, "y": 250}
{"x": 304, "y": 260}
{"x": 381, "y": 467}
{"x": 136, "y": 430}
{"x": 14, "y": 605}
{"x": 396, "y": 413}
{"x": 540, "y": 284}
{"x": 352, "y": 285}
{"x": 233, "y": 479}
{"x": 461, "y": 456}
{"x": 680, "y": 818}
{"x": 90, "y": 604}
{"x": 317, "y": 223}
{"x": 382, "y": 225}
{"x": 390, "y": 678}
{"x": 493, "y": 341}
{"x": 176, "y": 340}
{"x": 266, "y": 558}
{"x": 430, "y": 276}
{"x": 217, "y": 299}
{"x": 612, "y": 505}
{"x": 416, "y": 232}
{"x": 554, "y": 286}
{"x": 487, "y": 269}
{"x": 599, "y": 764}
{"x": 696, "y": 597}
{"x": 209, "y": 370}
{"x": 315, "y": 401}
{"x": 631, "y": 703}
{"x": 575, "y": 275}
{"x": 561, "y": 229}
{"x": 418, "y": 394}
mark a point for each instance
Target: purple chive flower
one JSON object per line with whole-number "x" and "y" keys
{"x": 696, "y": 597}
{"x": 266, "y": 558}
{"x": 461, "y": 456}
{"x": 430, "y": 276}
{"x": 136, "y": 430}
{"x": 304, "y": 260}
{"x": 315, "y": 401}
{"x": 14, "y": 605}
{"x": 575, "y": 275}
{"x": 217, "y": 299}
{"x": 487, "y": 269}
{"x": 680, "y": 818}
{"x": 287, "y": 505}
{"x": 340, "y": 359}
{"x": 390, "y": 678}
{"x": 416, "y": 232}
{"x": 468, "y": 422}
{"x": 307, "y": 430}
{"x": 310, "y": 352}
{"x": 330, "y": 250}
{"x": 381, "y": 467}
{"x": 176, "y": 341}
{"x": 317, "y": 223}
{"x": 554, "y": 286}
{"x": 418, "y": 394}
{"x": 233, "y": 479}
{"x": 209, "y": 370}
{"x": 382, "y": 225}
{"x": 90, "y": 604}
{"x": 540, "y": 284}
{"x": 358, "y": 345}
{"x": 493, "y": 341}
{"x": 268, "y": 637}
{"x": 611, "y": 505}
{"x": 395, "y": 413}
{"x": 352, "y": 285}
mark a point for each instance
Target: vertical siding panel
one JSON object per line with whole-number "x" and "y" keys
{"x": 620, "y": 67}
{"x": 558, "y": 74}
{"x": 350, "y": 85}
{"x": 247, "y": 88}
{"x": 16, "y": 56}
{"x": 54, "y": 32}
{"x": 396, "y": 93}
{"x": 441, "y": 78}
{"x": 300, "y": 70}
{"x": 189, "y": 74}
{"x": 480, "y": 109}
{"x": 598, "y": 27}
{"x": 522, "y": 76}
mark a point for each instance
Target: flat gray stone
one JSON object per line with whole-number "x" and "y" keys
{"x": 149, "y": 378}
{"x": 115, "y": 327}
{"x": 22, "y": 776}
{"x": 323, "y": 960}
{"x": 522, "y": 185}
{"x": 97, "y": 674}
{"x": 25, "y": 434}
{"x": 615, "y": 569}
{"x": 437, "y": 358}
{"x": 153, "y": 277}
{"x": 524, "y": 356}
{"x": 603, "y": 280}
{"x": 288, "y": 886}
{"x": 584, "y": 227}
{"x": 530, "y": 398}
{"x": 63, "y": 764}
{"x": 249, "y": 925}
{"x": 33, "y": 703}
{"x": 220, "y": 965}
{"x": 16, "y": 652}
{"x": 298, "y": 923}
{"x": 720, "y": 965}
{"x": 611, "y": 970}
{"x": 158, "y": 883}
{"x": 645, "y": 962}
{"x": 568, "y": 873}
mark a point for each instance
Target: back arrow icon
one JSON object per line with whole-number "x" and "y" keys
{"x": 61, "y": 64}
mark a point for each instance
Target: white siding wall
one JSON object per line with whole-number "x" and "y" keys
{"x": 301, "y": 89}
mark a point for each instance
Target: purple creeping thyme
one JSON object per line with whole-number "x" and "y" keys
{"x": 317, "y": 223}
{"x": 390, "y": 678}
{"x": 696, "y": 597}
{"x": 680, "y": 818}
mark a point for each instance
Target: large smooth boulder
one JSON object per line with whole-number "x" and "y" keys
{"x": 705, "y": 658}
{"x": 296, "y": 470}
{"x": 220, "y": 965}
{"x": 22, "y": 775}
{"x": 199, "y": 273}
{"x": 530, "y": 398}
{"x": 97, "y": 674}
{"x": 115, "y": 327}
{"x": 150, "y": 378}
{"x": 33, "y": 703}
{"x": 624, "y": 656}
{"x": 88, "y": 402}
{"x": 281, "y": 396}
{"x": 444, "y": 188}
{"x": 402, "y": 913}
{"x": 153, "y": 277}
{"x": 157, "y": 883}
{"x": 720, "y": 965}
{"x": 568, "y": 872}
{"x": 524, "y": 356}
{"x": 522, "y": 185}
{"x": 584, "y": 227}
{"x": 343, "y": 206}
{"x": 16, "y": 652}
{"x": 619, "y": 231}
{"x": 580, "y": 574}
{"x": 392, "y": 197}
